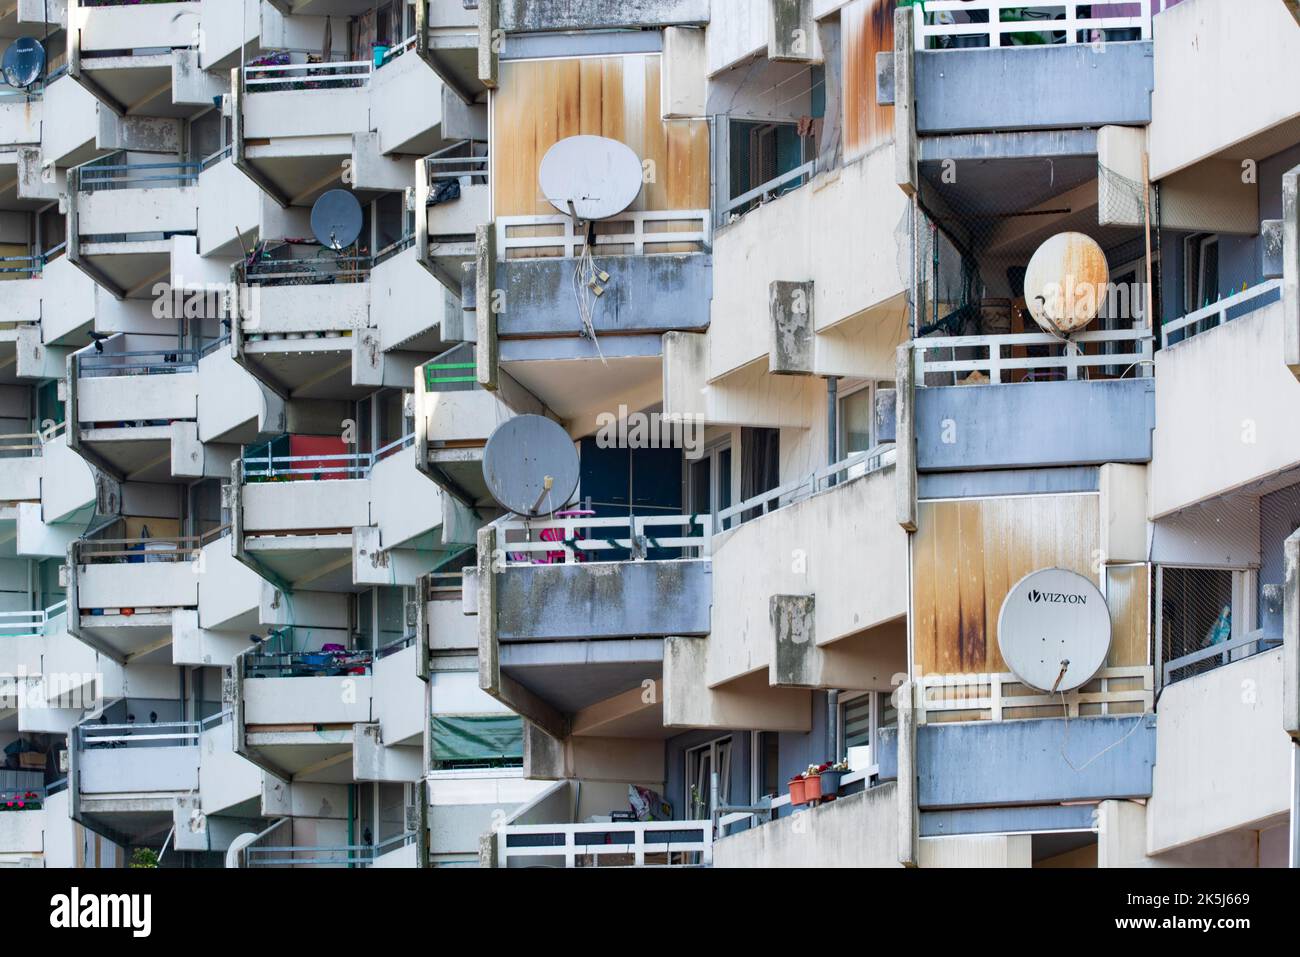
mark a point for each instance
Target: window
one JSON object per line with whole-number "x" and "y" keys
{"x": 1200, "y": 271}
{"x": 1199, "y": 608}
{"x": 709, "y": 480}
{"x": 701, "y": 762}
{"x": 861, "y": 718}
{"x": 760, "y": 152}
{"x": 764, "y": 765}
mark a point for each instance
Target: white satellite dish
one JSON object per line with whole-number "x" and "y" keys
{"x": 1065, "y": 283}
{"x": 590, "y": 177}
{"x": 1054, "y": 630}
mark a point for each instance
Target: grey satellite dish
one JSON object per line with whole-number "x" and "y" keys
{"x": 23, "y": 62}
{"x": 1054, "y": 630}
{"x": 530, "y": 465}
{"x": 590, "y": 177}
{"x": 336, "y": 219}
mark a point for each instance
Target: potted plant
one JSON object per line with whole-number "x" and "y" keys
{"x": 831, "y": 775}
{"x": 812, "y": 783}
{"x": 143, "y": 857}
{"x": 797, "y": 791}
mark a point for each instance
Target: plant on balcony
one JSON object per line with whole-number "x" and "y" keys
{"x": 24, "y": 801}
{"x": 812, "y": 783}
{"x": 143, "y": 857}
{"x": 831, "y": 775}
{"x": 797, "y": 790}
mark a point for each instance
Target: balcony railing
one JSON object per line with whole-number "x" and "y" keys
{"x": 393, "y": 52}
{"x": 1129, "y": 351}
{"x": 639, "y": 235}
{"x": 666, "y": 843}
{"x": 956, "y": 24}
{"x": 130, "y": 551}
{"x": 323, "y": 269}
{"x": 562, "y": 539}
{"x": 339, "y": 855}
{"x": 276, "y": 657}
{"x": 315, "y": 468}
{"x": 777, "y": 186}
{"x": 859, "y": 463}
{"x": 30, "y": 624}
{"x": 137, "y": 734}
{"x": 283, "y": 77}
{"x": 99, "y": 176}
{"x": 29, "y": 266}
{"x": 144, "y": 362}
{"x": 957, "y": 697}
{"x": 1218, "y": 655}
{"x": 29, "y": 444}
{"x": 1217, "y": 313}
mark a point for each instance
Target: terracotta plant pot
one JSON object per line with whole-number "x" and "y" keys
{"x": 812, "y": 788}
{"x": 797, "y": 792}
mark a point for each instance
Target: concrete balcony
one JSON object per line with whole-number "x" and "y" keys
{"x": 294, "y": 124}
{"x": 70, "y": 128}
{"x": 1090, "y": 72}
{"x": 67, "y": 490}
{"x": 403, "y": 78}
{"x": 447, "y": 39}
{"x": 797, "y": 621}
{"x": 1225, "y": 804}
{"x": 462, "y": 805}
{"x": 33, "y": 18}
{"x": 302, "y": 531}
{"x": 20, "y": 468}
{"x": 1190, "y": 40}
{"x": 1244, "y": 357}
{"x": 572, "y": 645}
{"x": 410, "y": 308}
{"x": 1016, "y": 424}
{"x": 22, "y": 835}
{"x": 20, "y": 124}
{"x": 142, "y": 59}
{"x": 24, "y": 357}
{"x": 127, "y": 775}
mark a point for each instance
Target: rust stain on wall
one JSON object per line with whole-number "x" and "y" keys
{"x": 866, "y": 28}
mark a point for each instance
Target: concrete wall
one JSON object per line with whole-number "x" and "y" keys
{"x": 229, "y": 204}
{"x": 107, "y": 400}
{"x": 1193, "y": 41}
{"x": 124, "y": 28}
{"x": 645, "y": 294}
{"x": 225, "y": 778}
{"x": 229, "y": 397}
{"x": 405, "y": 299}
{"x": 841, "y": 546}
{"x": 404, "y": 503}
{"x": 145, "y": 585}
{"x": 20, "y": 479}
{"x": 603, "y": 600}
{"x": 138, "y": 769}
{"x": 306, "y": 113}
{"x": 70, "y": 122}
{"x": 20, "y": 122}
{"x": 323, "y": 308}
{"x": 1034, "y": 424}
{"x": 321, "y": 700}
{"x": 400, "y": 83}
{"x": 158, "y": 210}
{"x": 1222, "y": 759}
{"x": 1042, "y": 87}
{"x": 303, "y": 506}
{"x": 844, "y": 232}
{"x": 860, "y": 830}
{"x": 227, "y": 587}
{"x": 1246, "y": 415}
{"x": 399, "y": 697}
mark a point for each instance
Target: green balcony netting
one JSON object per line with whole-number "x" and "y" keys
{"x": 478, "y": 738}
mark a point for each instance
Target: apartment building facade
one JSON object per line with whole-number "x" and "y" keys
{"x": 299, "y": 289}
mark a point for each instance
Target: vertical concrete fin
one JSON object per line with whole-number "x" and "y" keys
{"x": 904, "y": 99}
{"x": 489, "y": 42}
{"x": 907, "y": 812}
{"x": 790, "y": 305}
{"x": 904, "y": 436}
{"x": 1291, "y": 637}
{"x": 790, "y": 31}
{"x": 485, "y": 317}
{"x": 1291, "y": 270}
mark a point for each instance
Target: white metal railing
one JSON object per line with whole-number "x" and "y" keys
{"x": 1216, "y": 313}
{"x": 29, "y": 624}
{"x": 638, "y": 232}
{"x": 1224, "y": 652}
{"x": 634, "y": 839}
{"x": 307, "y": 76}
{"x": 989, "y": 692}
{"x": 1072, "y": 359}
{"x": 292, "y": 468}
{"x": 558, "y": 542}
{"x": 806, "y": 171}
{"x": 859, "y": 463}
{"x": 866, "y": 775}
{"x": 336, "y": 855}
{"x": 984, "y": 23}
{"x": 159, "y": 734}
{"x": 395, "y": 51}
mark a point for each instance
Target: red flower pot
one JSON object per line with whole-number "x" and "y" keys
{"x": 797, "y": 791}
{"x": 812, "y": 788}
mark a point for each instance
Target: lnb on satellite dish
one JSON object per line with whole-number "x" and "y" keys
{"x": 336, "y": 219}
{"x": 23, "y": 62}
{"x": 530, "y": 465}
{"x": 1065, "y": 283}
{"x": 1054, "y": 630}
{"x": 590, "y": 177}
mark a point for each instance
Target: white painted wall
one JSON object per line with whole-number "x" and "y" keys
{"x": 1234, "y": 62}
{"x": 403, "y": 502}
{"x": 306, "y": 113}
{"x": 229, "y": 397}
{"x": 225, "y": 778}
{"x": 1248, "y": 415}
{"x": 393, "y": 89}
{"x": 1222, "y": 759}
{"x": 405, "y": 299}
{"x": 136, "y": 27}
{"x": 67, "y": 483}
{"x": 229, "y": 204}
{"x": 70, "y": 120}
{"x": 20, "y": 121}
{"x": 227, "y": 587}
{"x": 156, "y": 210}
{"x": 322, "y": 308}
{"x": 20, "y": 479}
{"x": 399, "y": 697}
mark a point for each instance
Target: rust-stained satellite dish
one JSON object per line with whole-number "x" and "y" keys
{"x": 590, "y": 177}
{"x": 1066, "y": 283}
{"x": 530, "y": 465}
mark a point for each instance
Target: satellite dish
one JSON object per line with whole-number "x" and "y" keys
{"x": 590, "y": 177}
{"x": 336, "y": 219}
{"x": 23, "y": 62}
{"x": 1066, "y": 282}
{"x": 1054, "y": 630}
{"x": 530, "y": 465}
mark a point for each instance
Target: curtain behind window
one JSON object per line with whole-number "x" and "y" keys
{"x": 760, "y": 464}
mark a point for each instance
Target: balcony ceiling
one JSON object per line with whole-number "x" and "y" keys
{"x": 9, "y": 200}
{"x": 134, "y": 267}
{"x": 576, "y": 386}
{"x": 312, "y": 562}
{"x": 141, "y": 454}
{"x": 571, "y": 675}
{"x": 317, "y": 756}
{"x": 142, "y": 84}
{"x": 306, "y": 368}
{"x": 143, "y": 639}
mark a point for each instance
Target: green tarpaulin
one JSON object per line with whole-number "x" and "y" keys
{"x": 481, "y": 738}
